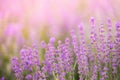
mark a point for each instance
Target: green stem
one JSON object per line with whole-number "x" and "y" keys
{"x": 74, "y": 70}
{"x": 54, "y": 75}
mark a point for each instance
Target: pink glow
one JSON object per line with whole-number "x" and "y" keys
{"x": 56, "y": 13}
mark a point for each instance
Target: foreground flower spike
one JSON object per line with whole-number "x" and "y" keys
{"x": 83, "y": 62}
{"x": 93, "y": 30}
{"x": 27, "y": 65}
{"x": 29, "y": 58}
{"x": 16, "y": 67}
{"x": 116, "y": 55}
{"x": 76, "y": 58}
{"x": 28, "y": 77}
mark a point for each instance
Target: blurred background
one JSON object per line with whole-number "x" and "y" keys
{"x": 25, "y": 22}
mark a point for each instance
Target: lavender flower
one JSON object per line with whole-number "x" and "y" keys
{"x": 98, "y": 59}
{"x": 29, "y": 58}
{"x": 27, "y": 65}
{"x": 116, "y": 55}
{"x": 28, "y": 77}
{"x": 83, "y": 55}
{"x": 16, "y": 67}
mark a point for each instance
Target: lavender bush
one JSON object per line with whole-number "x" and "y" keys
{"x": 77, "y": 58}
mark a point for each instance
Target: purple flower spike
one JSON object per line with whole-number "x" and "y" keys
{"x": 117, "y": 25}
{"x": 52, "y": 40}
{"x": 28, "y": 77}
{"x": 43, "y": 44}
{"x": 16, "y": 67}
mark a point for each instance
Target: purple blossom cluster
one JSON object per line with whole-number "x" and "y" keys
{"x": 27, "y": 66}
{"x": 77, "y": 58}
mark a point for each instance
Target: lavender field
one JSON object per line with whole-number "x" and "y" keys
{"x": 59, "y": 40}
